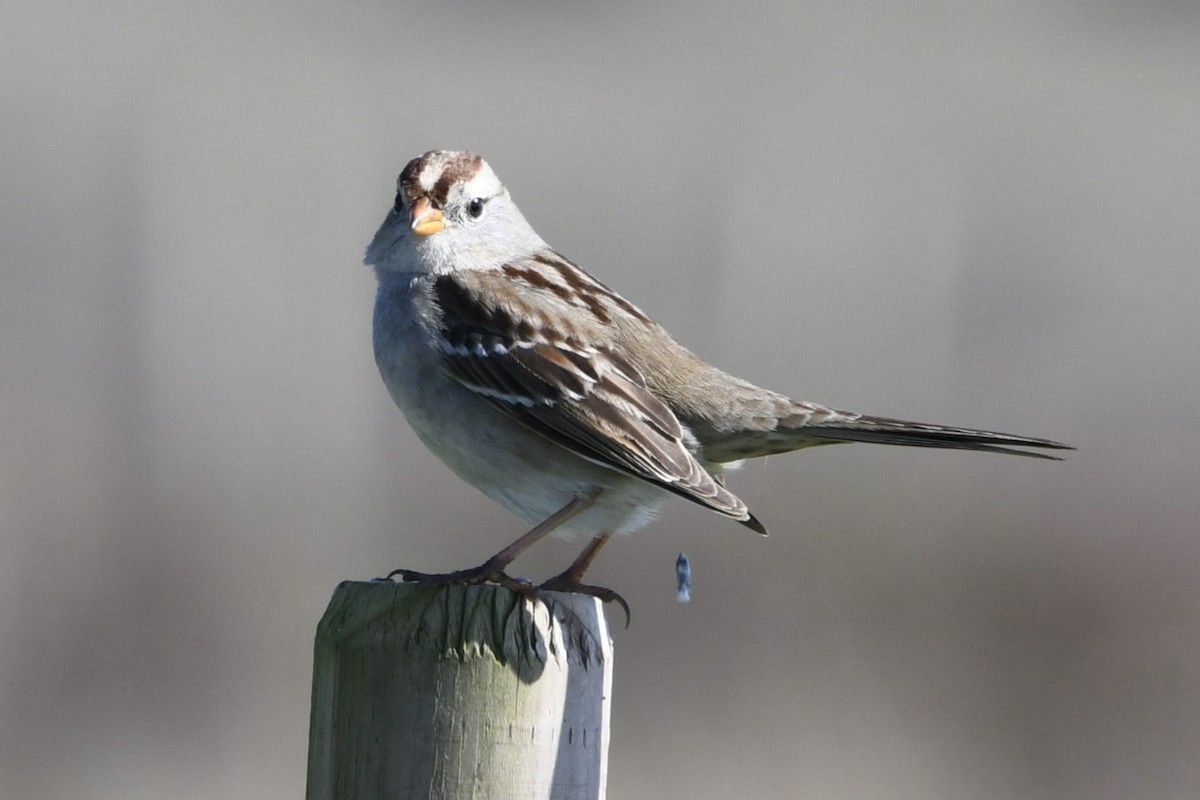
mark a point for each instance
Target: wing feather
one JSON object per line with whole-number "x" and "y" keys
{"x": 580, "y": 395}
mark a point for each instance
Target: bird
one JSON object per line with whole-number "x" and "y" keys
{"x": 558, "y": 398}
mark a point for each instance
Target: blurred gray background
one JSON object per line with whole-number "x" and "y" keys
{"x": 979, "y": 214}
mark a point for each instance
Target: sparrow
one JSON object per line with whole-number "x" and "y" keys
{"x": 560, "y": 399}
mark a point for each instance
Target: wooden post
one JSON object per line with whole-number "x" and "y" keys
{"x": 440, "y": 692}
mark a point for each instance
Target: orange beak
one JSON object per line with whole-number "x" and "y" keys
{"x": 426, "y": 219}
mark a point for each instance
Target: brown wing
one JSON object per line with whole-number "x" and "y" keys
{"x": 580, "y": 395}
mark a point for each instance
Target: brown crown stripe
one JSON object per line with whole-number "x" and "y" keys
{"x": 452, "y": 167}
{"x": 409, "y": 178}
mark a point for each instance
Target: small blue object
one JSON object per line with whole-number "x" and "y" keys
{"x": 683, "y": 573}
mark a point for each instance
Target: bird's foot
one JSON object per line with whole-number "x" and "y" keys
{"x": 484, "y": 573}
{"x": 566, "y": 582}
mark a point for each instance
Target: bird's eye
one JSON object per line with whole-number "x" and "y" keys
{"x": 399, "y": 205}
{"x": 475, "y": 208}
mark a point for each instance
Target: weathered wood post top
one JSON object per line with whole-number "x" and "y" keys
{"x": 439, "y": 692}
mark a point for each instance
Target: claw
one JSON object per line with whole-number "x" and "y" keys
{"x": 489, "y": 573}
{"x": 485, "y": 573}
{"x": 564, "y": 583}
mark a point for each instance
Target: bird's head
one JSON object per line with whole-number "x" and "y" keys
{"x": 451, "y": 213}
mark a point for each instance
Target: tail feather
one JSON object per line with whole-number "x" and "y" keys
{"x": 797, "y": 425}
{"x": 882, "y": 430}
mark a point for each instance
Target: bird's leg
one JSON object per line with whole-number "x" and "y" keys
{"x": 569, "y": 580}
{"x": 492, "y": 570}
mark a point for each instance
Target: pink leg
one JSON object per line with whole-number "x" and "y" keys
{"x": 492, "y": 570}
{"x": 569, "y": 580}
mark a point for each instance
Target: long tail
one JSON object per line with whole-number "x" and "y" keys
{"x": 808, "y": 424}
{"x": 882, "y": 430}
